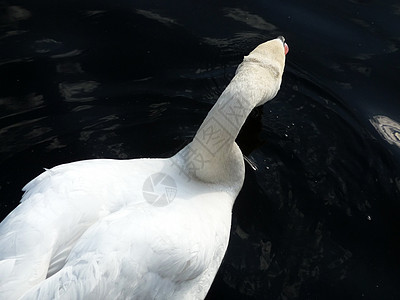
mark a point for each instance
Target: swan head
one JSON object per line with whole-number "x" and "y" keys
{"x": 274, "y": 50}
{"x": 264, "y": 67}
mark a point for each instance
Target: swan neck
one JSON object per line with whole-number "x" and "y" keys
{"x": 213, "y": 156}
{"x": 224, "y": 121}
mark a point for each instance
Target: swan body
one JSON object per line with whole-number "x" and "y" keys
{"x": 139, "y": 228}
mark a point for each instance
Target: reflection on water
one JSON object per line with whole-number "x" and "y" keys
{"x": 14, "y": 14}
{"x": 249, "y": 19}
{"x": 154, "y": 16}
{"x": 10, "y": 19}
{"x": 46, "y": 45}
{"x": 11, "y": 106}
{"x": 387, "y": 128}
{"x": 78, "y": 91}
{"x": 71, "y": 53}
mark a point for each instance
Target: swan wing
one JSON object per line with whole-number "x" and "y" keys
{"x": 57, "y": 207}
{"x": 129, "y": 255}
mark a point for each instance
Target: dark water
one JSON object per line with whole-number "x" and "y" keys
{"x": 320, "y": 217}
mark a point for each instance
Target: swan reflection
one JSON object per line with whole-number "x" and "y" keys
{"x": 387, "y": 128}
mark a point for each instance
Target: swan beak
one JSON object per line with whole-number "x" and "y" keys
{"x": 286, "y": 47}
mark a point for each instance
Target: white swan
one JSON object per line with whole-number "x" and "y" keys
{"x": 140, "y": 228}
